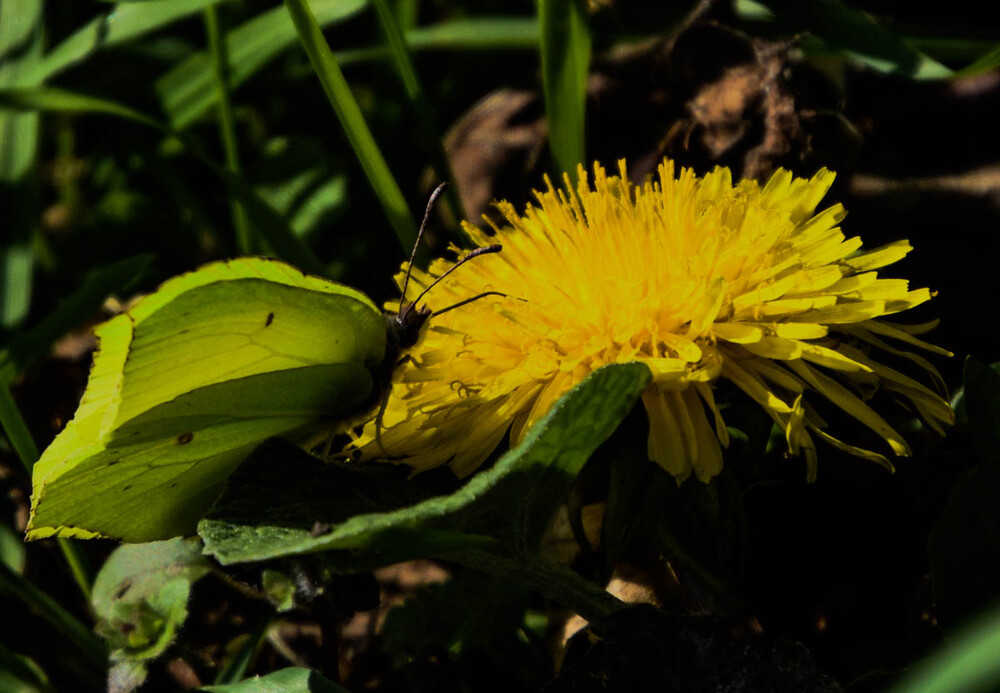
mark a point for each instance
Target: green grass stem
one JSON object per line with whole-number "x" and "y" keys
{"x": 347, "y": 110}
{"x": 227, "y": 125}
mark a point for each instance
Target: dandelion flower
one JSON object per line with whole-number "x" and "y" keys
{"x": 695, "y": 277}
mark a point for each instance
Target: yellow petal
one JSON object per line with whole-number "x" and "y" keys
{"x": 849, "y": 403}
{"x": 854, "y": 450}
{"x": 879, "y": 257}
{"x": 737, "y": 332}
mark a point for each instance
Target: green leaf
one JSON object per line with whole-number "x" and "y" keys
{"x": 141, "y": 594}
{"x": 966, "y": 663}
{"x": 352, "y": 121}
{"x": 290, "y": 680}
{"x": 188, "y": 90}
{"x": 273, "y": 506}
{"x": 189, "y": 381}
{"x": 965, "y": 544}
{"x": 97, "y": 286}
{"x": 565, "y": 45}
{"x": 857, "y": 36}
{"x": 271, "y": 225}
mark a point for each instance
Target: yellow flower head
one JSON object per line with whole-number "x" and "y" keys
{"x": 697, "y": 278}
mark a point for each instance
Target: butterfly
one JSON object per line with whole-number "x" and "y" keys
{"x": 193, "y": 377}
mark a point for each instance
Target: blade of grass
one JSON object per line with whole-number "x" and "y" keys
{"x": 951, "y": 48}
{"x": 351, "y": 119}
{"x": 964, "y": 664}
{"x": 24, "y": 672}
{"x": 16, "y": 430}
{"x": 46, "y": 607}
{"x": 119, "y": 24}
{"x": 565, "y": 48}
{"x": 187, "y": 90}
{"x": 227, "y": 126}
{"x": 20, "y": 49}
{"x": 405, "y": 13}
{"x": 479, "y": 34}
{"x": 235, "y": 668}
{"x": 24, "y": 445}
{"x": 426, "y": 122}
{"x": 83, "y": 302}
{"x": 985, "y": 63}
{"x": 272, "y": 226}
{"x": 857, "y": 36}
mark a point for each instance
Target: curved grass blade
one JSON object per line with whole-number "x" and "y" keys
{"x": 46, "y": 607}
{"x": 117, "y": 25}
{"x": 430, "y": 132}
{"x": 16, "y": 430}
{"x": 188, "y": 90}
{"x": 347, "y": 110}
{"x": 565, "y": 44}
{"x": 857, "y": 36}
{"x": 474, "y": 34}
{"x": 22, "y": 674}
{"x": 271, "y": 225}
{"x": 985, "y": 63}
{"x": 236, "y": 667}
{"x": 24, "y": 446}
{"x": 98, "y": 285}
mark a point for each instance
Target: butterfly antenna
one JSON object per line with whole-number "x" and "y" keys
{"x": 474, "y": 298}
{"x": 420, "y": 234}
{"x": 475, "y": 253}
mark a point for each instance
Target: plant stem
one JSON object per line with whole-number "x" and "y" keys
{"x": 351, "y": 119}
{"x": 46, "y": 607}
{"x": 24, "y": 445}
{"x": 227, "y": 126}
{"x": 426, "y": 121}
